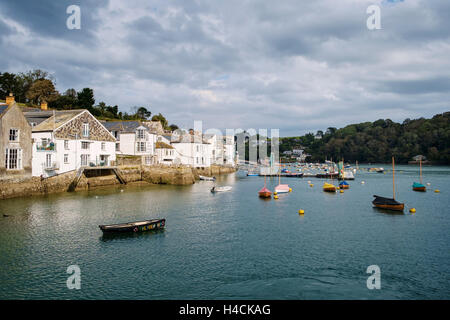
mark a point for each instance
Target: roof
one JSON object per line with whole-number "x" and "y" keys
{"x": 50, "y": 120}
{"x": 188, "y": 138}
{"x": 122, "y": 126}
{"x": 154, "y": 126}
{"x": 3, "y": 108}
{"x": 163, "y": 145}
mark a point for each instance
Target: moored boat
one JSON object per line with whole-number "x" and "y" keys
{"x": 328, "y": 187}
{"x": 220, "y": 189}
{"x": 137, "y": 226}
{"x": 207, "y": 178}
{"x": 344, "y": 185}
{"x": 388, "y": 203}
{"x": 419, "y": 186}
{"x": 264, "y": 193}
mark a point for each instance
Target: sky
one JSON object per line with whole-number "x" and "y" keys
{"x": 297, "y": 66}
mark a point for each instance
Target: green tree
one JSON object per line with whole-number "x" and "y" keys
{"x": 42, "y": 90}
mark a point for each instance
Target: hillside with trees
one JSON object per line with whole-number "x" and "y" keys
{"x": 36, "y": 86}
{"x": 378, "y": 141}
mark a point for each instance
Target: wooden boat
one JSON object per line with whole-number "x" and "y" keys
{"x": 388, "y": 203}
{"x": 207, "y": 178}
{"x": 137, "y": 226}
{"x": 419, "y": 186}
{"x": 328, "y": 187}
{"x": 344, "y": 185}
{"x": 293, "y": 175}
{"x": 264, "y": 192}
{"x": 221, "y": 189}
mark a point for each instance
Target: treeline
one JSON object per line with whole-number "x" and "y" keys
{"x": 37, "y": 86}
{"x": 378, "y": 141}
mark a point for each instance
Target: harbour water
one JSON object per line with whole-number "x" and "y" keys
{"x": 232, "y": 245}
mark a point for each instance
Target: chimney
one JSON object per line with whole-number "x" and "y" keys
{"x": 10, "y": 99}
{"x": 44, "y": 105}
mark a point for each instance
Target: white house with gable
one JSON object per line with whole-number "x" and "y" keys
{"x": 67, "y": 140}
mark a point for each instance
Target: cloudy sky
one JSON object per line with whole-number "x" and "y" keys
{"x": 298, "y": 65}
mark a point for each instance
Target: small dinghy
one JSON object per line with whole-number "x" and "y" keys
{"x": 344, "y": 185}
{"x": 388, "y": 203}
{"x": 220, "y": 189}
{"x": 328, "y": 187}
{"x": 207, "y": 178}
{"x": 137, "y": 226}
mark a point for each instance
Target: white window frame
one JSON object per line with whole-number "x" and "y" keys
{"x": 66, "y": 145}
{"x": 141, "y": 146}
{"x": 85, "y": 129}
{"x": 103, "y": 146}
{"x": 15, "y": 136}
{"x": 48, "y": 160}
{"x": 140, "y": 134}
{"x": 16, "y": 163}
{"x": 66, "y": 158}
{"x": 85, "y": 143}
{"x": 85, "y": 160}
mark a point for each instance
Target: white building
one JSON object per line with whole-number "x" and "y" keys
{"x": 134, "y": 138}
{"x": 229, "y": 151}
{"x": 67, "y": 140}
{"x": 192, "y": 150}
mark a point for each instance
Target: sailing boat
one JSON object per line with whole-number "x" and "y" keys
{"x": 387, "y": 203}
{"x": 328, "y": 187}
{"x": 419, "y": 186}
{"x": 264, "y": 192}
{"x": 281, "y": 188}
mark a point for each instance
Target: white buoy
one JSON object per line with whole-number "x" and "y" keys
{"x": 428, "y": 184}
{"x": 362, "y": 182}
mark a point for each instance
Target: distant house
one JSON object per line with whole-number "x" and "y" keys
{"x": 193, "y": 150}
{"x": 229, "y": 151}
{"x": 15, "y": 141}
{"x": 297, "y": 152}
{"x": 166, "y": 154}
{"x": 66, "y": 140}
{"x": 133, "y": 138}
{"x": 419, "y": 158}
{"x": 287, "y": 153}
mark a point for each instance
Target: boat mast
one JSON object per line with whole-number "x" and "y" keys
{"x": 420, "y": 163}
{"x": 393, "y": 177}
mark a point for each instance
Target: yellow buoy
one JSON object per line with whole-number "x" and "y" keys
{"x": 412, "y": 210}
{"x": 301, "y": 211}
{"x": 311, "y": 185}
{"x": 275, "y": 197}
{"x": 437, "y": 191}
{"x": 342, "y": 191}
{"x": 290, "y": 189}
{"x": 275, "y": 193}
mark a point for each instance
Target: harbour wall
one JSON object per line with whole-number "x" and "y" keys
{"x": 176, "y": 175}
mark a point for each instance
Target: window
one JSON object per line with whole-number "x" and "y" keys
{"x": 66, "y": 144}
{"x": 85, "y": 129}
{"x": 103, "y": 146}
{"x": 141, "y": 147}
{"x": 148, "y": 160}
{"x": 66, "y": 158}
{"x": 13, "y": 135}
{"x": 117, "y": 146}
{"x": 140, "y": 134}
{"x": 85, "y": 145}
{"x": 198, "y": 148}
{"x": 116, "y": 134}
{"x": 84, "y": 160}
{"x": 48, "y": 160}
{"x": 13, "y": 159}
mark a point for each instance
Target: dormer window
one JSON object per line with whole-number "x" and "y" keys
{"x": 85, "y": 129}
{"x": 140, "y": 133}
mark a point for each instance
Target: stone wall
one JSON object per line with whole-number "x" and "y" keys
{"x": 176, "y": 175}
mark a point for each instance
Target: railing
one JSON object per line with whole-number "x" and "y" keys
{"x": 46, "y": 147}
{"x": 51, "y": 166}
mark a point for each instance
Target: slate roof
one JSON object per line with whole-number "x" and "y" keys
{"x": 163, "y": 145}
{"x": 3, "y": 108}
{"x": 50, "y": 120}
{"x": 122, "y": 126}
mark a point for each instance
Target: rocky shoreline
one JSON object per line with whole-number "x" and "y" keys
{"x": 180, "y": 175}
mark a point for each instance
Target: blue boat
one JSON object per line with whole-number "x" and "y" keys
{"x": 418, "y": 187}
{"x": 344, "y": 185}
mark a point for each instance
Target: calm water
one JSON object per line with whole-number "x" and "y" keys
{"x": 232, "y": 245}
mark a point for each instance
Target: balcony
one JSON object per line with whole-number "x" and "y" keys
{"x": 49, "y": 147}
{"x": 51, "y": 166}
